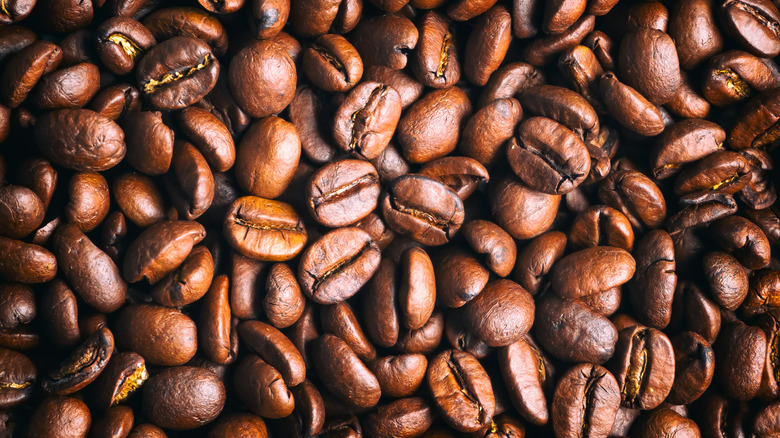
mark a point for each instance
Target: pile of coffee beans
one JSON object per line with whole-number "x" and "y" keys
{"x": 389, "y": 218}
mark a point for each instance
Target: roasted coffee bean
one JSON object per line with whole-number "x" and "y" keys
{"x": 636, "y": 196}
{"x": 403, "y": 417}
{"x": 684, "y": 142}
{"x": 90, "y": 271}
{"x": 652, "y": 290}
{"x": 83, "y": 365}
{"x": 423, "y": 208}
{"x": 97, "y": 143}
{"x": 694, "y": 43}
{"x": 267, "y": 157}
{"x": 600, "y": 225}
{"x": 235, "y": 425}
{"x": 501, "y": 314}
{"x": 643, "y": 365}
{"x": 343, "y": 192}
{"x": 332, "y": 63}
{"x": 24, "y": 219}
{"x": 116, "y": 422}
{"x": 121, "y": 42}
{"x": 548, "y": 157}
{"x": 150, "y": 142}
{"x": 666, "y": 423}
{"x": 385, "y": 40}
{"x": 337, "y": 265}
{"x": 275, "y": 349}
{"x": 182, "y": 398}
{"x": 694, "y": 367}
{"x": 163, "y": 336}
{"x": 591, "y": 271}
{"x": 430, "y": 128}
{"x": 190, "y": 22}
{"x": 343, "y": 373}
{"x": 721, "y": 172}
{"x": 740, "y": 353}
{"x": 629, "y": 107}
{"x": 461, "y": 390}
{"x": 521, "y": 211}
{"x": 262, "y": 91}
{"x": 487, "y": 130}
{"x": 264, "y": 229}
{"x": 461, "y": 174}
{"x": 18, "y": 305}
{"x": 59, "y": 416}
{"x": 366, "y": 121}
{"x": 58, "y": 90}
{"x": 399, "y": 376}
{"x": 19, "y": 376}
{"x": 191, "y": 183}
{"x": 88, "y": 201}
{"x": 543, "y": 50}
{"x": 437, "y": 63}
{"x": 25, "y": 68}
{"x": 649, "y": 63}
{"x": 754, "y": 24}
{"x": 260, "y": 386}
{"x": 487, "y": 44}
{"x": 727, "y": 279}
{"x": 499, "y": 249}
{"x": 177, "y": 72}
{"x": 123, "y": 375}
{"x": 528, "y": 375}
{"x": 586, "y": 401}
{"x": 564, "y": 106}
{"x": 510, "y": 81}
{"x": 138, "y": 197}
{"x": 687, "y": 102}
{"x": 573, "y": 332}
{"x": 537, "y": 258}
{"x": 160, "y": 249}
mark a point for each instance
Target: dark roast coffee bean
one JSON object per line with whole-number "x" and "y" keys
{"x": 59, "y": 416}
{"x": 343, "y": 192}
{"x": 83, "y": 365}
{"x": 343, "y": 373}
{"x": 461, "y": 390}
{"x": 160, "y": 249}
{"x": 177, "y": 72}
{"x": 19, "y": 376}
{"x": 337, "y": 265}
{"x": 264, "y": 229}
{"x": 163, "y": 336}
{"x": 123, "y": 375}
{"x": 97, "y": 142}
{"x": 423, "y": 208}
{"x": 182, "y": 398}
{"x": 366, "y": 121}
{"x": 586, "y": 401}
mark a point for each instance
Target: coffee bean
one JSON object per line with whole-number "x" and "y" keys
{"x": 587, "y": 398}
{"x": 461, "y": 390}
{"x": 182, "y": 398}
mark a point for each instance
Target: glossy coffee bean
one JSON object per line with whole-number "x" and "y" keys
{"x": 423, "y": 208}
{"x": 163, "y": 336}
{"x": 587, "y": 398}
{"x": 264, "y": 229}
{"x": 337, "y": 265}
{"x": 182, "y": 398}
{"x": 177, "y": 72}
{"x": 461, "y": 390}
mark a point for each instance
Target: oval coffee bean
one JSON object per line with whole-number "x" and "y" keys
{"x": 423, "y": 208}
{"x": 163, "y": 336}
{"x": 182, "y": 398}
{"x": 343, "y": 373}
{"x": 461, "y": 390}
{"x": 342, "y": 192}
{"x": 177, "y": 72}
{"x": 501, "y": 314}
{"x": 587, "y": 399}
{"x": 97, "y": 142}
{"x": 264, "y": 229}
{"x": 337, "y": 265}
{"x": 83, "y": 365}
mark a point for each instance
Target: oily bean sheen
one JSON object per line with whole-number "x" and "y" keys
{"x": 177, "y": 72}
{"x": 548, "y": 157}
{"x": 461, "y": 390}
{"x": 337, "y": 265}
{"x": 264, "y": 229}
{"x": 424, "y": 209}
{"x": 586, "y": 402}
{"x": 389, "y": 218}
